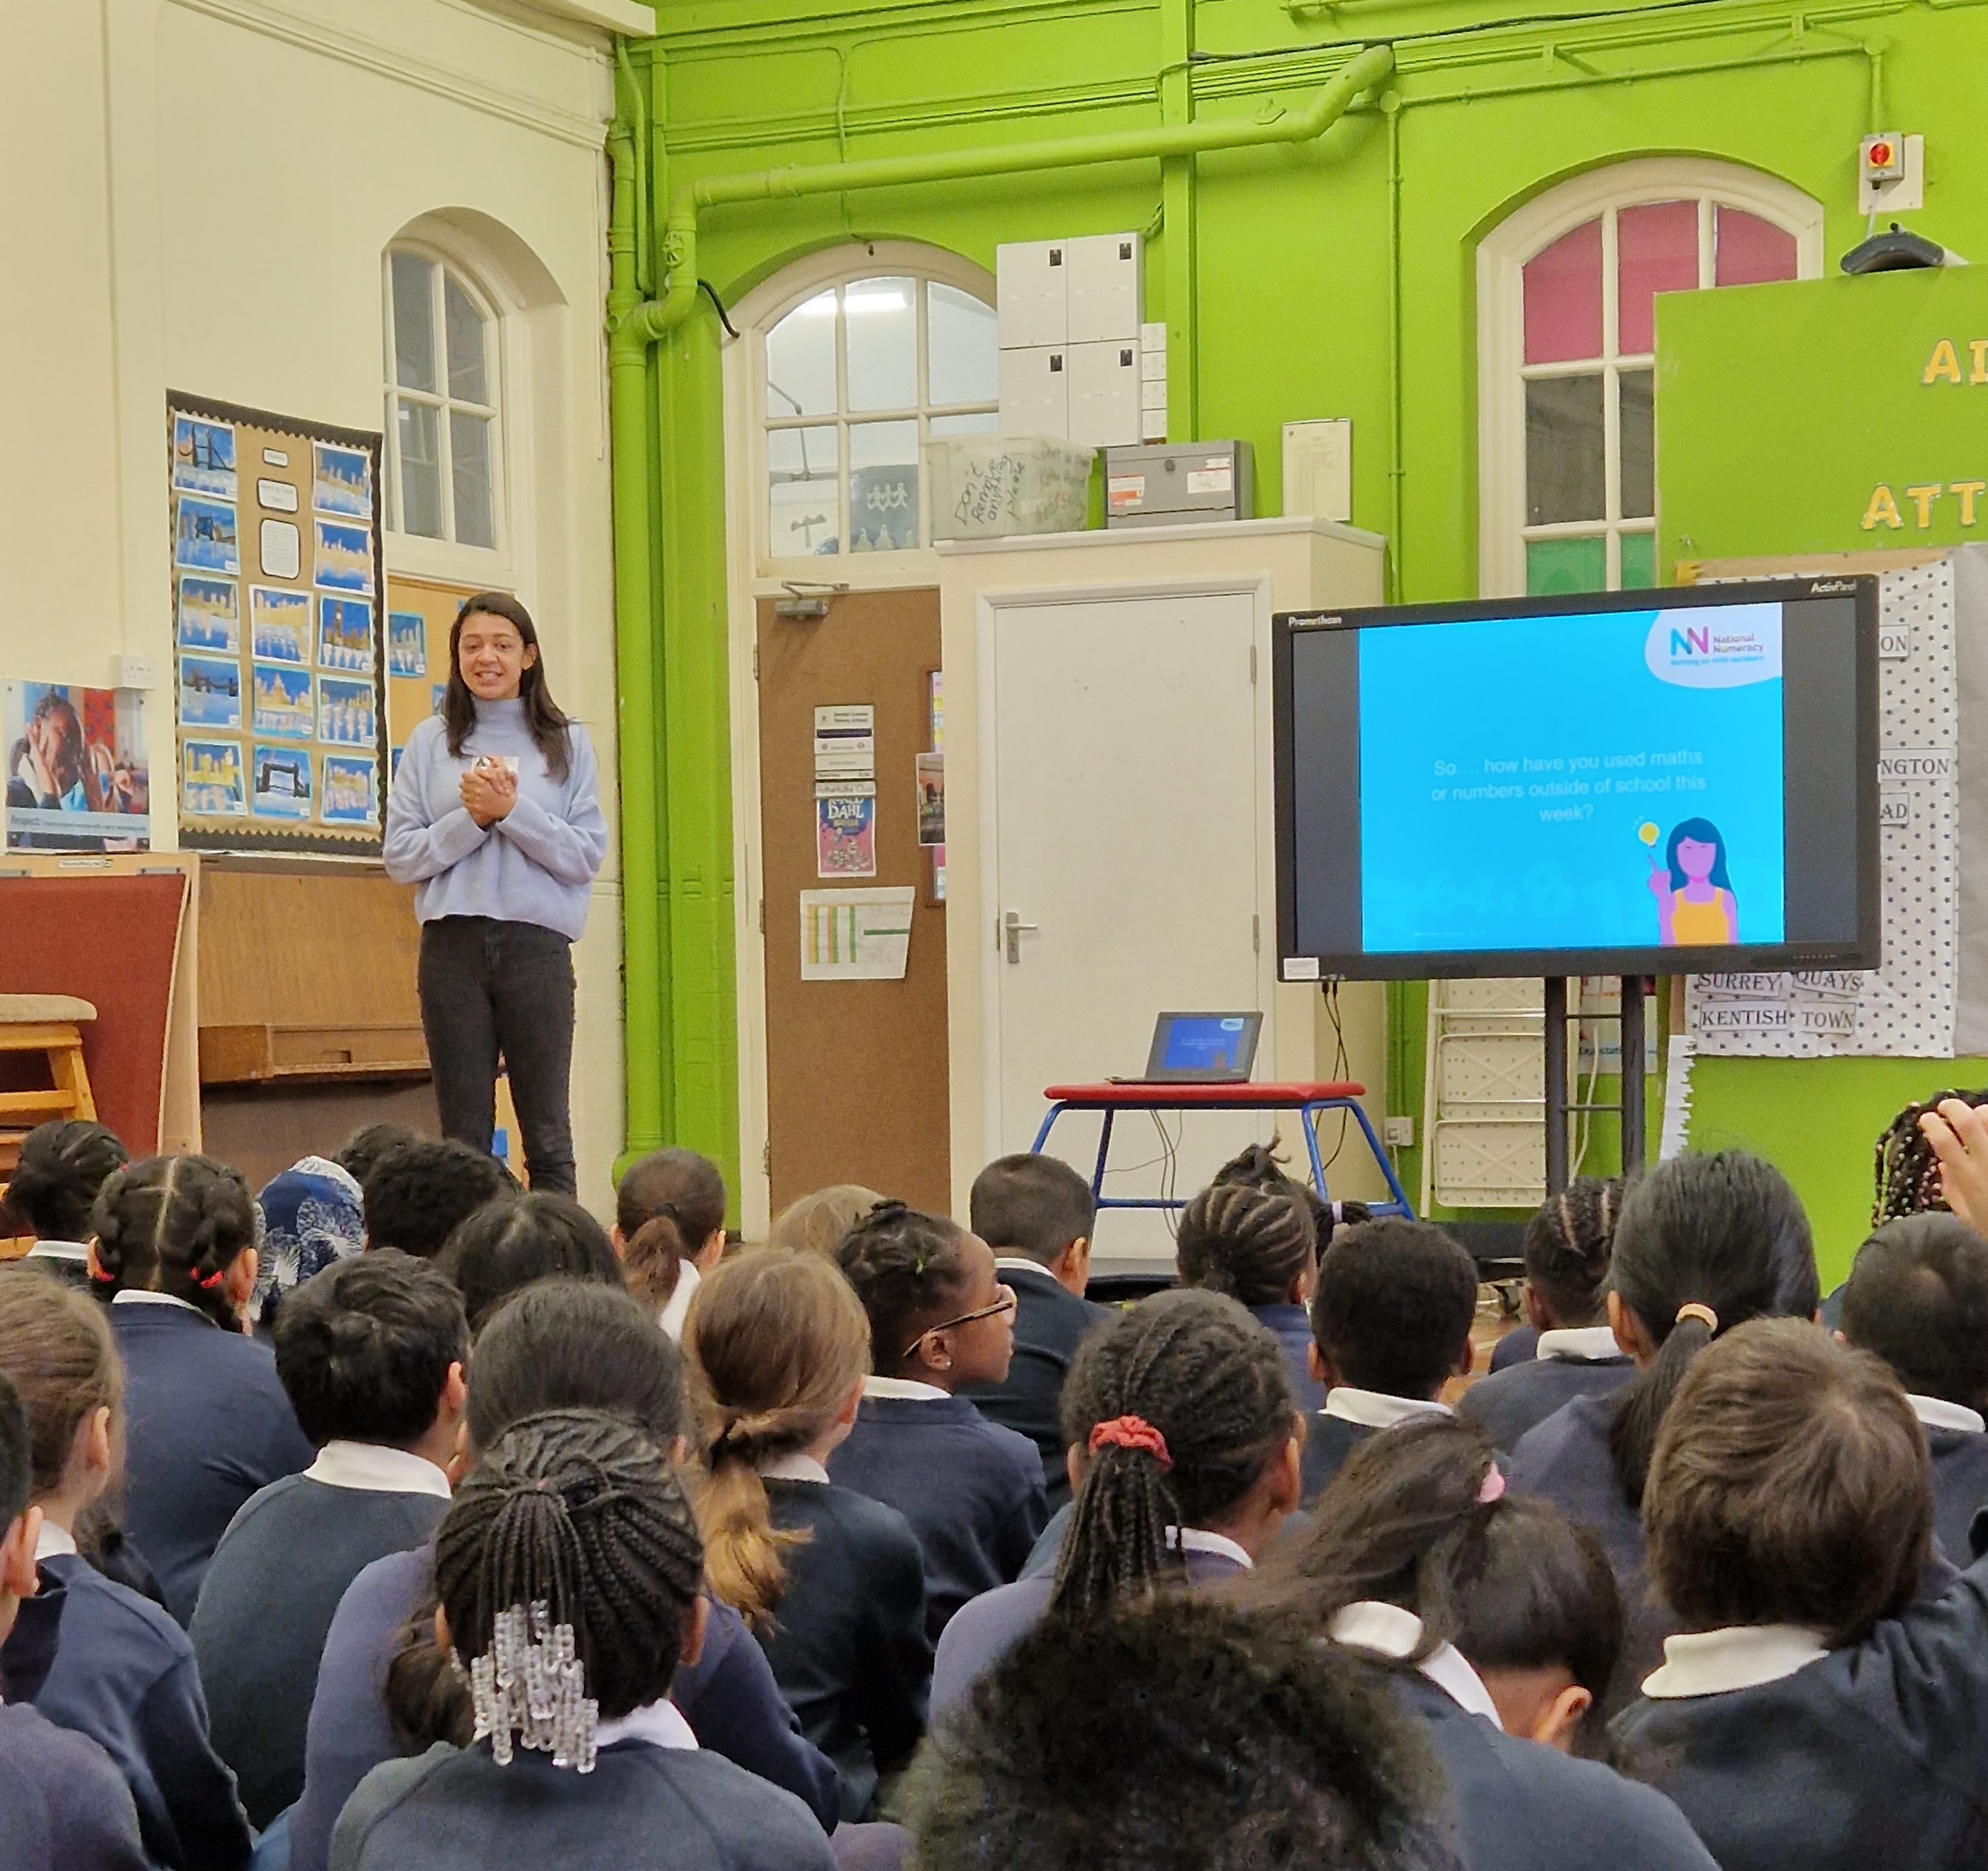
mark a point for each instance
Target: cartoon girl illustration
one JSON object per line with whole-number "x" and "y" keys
{"x": 1696, "y": 905}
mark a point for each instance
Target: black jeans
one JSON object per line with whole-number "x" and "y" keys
{"x": 489, "y": 987}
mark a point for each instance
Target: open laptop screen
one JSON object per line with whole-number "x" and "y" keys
{"x": 1213, "y": 1046}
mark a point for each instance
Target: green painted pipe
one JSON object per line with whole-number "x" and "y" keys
{"x": 634, "y": 324}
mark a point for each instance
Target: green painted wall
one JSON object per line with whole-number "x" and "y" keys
{"x": 1284, "y": 275}
{"x": 1738, "y": 374}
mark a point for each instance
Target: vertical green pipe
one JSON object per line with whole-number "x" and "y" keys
{"x": 643, "y": 958}
{"x": 1391, "y": 106}
{"x": 1178, "y": 220}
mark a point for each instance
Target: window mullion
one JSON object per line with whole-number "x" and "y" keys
{"x": 438, "y": 321}
{"x": 845, "y": 497}
{"x": 389, "y": 443}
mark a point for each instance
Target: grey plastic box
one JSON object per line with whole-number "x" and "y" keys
{"x": 1179, "y": 483}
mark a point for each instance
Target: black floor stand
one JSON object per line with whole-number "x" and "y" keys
{"x": 1560, "y": 1108}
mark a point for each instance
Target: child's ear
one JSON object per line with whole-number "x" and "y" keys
{"x": 1315, "y": 1365}
{"x": 1559, "y": 1721}
{"x": 695, "y": 1625}
{"x": 17, "y": 1542}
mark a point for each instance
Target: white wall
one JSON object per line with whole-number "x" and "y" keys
{"x": 198, "y": 193}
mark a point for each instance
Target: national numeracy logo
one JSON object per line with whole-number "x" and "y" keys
{"x": 1716, "y": 645}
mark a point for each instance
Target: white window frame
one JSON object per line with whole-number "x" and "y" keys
{"x": 756, "y": 316}
{"x": 1502, "y": 373}
{"x": 448, "y": 556}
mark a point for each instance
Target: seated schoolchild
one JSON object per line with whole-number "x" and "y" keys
{"x": 117, "y": 1668}
{"x": 1037, "y": 1214}
{"x": 831, "y": 1581}
{"x": 1184, "y": 1441}
{"x": 1417, "y": 1549}
{"x": 368, "y": 1145}
{"x": 558, "y": 1345}
{"x": 207, "y": 1423}
{"x": 1185, "y": 1737}
{"x": 1918, "y": 1297}
{"x": 67, "y": 1807}
{"x": 519, "y": 1237}
{"x": 571, "y": 1547}
{"x": 51, "y": 1189}
{"x": 669, "y": 1228}
{"x": 1259, "y": 1247}
{"x": 1391, "y": 1321}
{"x": 1704, "y": 1244}
{"x": 1573, "y": 1351}
{"x": 940, "y": 1320}
{"x": 416, "y": 1194}
{"x": 816, "y": 1224}
{"x": 312, "y": 1217}
{"x": 1812, "y": 1716}
{"x": 372, "y": 1353}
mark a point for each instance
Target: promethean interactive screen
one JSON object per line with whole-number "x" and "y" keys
{"x": 1617, "y": 783}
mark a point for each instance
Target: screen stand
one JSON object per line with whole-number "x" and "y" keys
{"x": 1631, "y": 1109}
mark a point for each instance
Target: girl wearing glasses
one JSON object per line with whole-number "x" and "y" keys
{"x": 940, "y": 1320}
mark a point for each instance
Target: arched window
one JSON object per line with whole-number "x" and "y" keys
{"x": 1566, "y": 285}
{"x": 443, "y": 456}
{"x": 854, "y": 369}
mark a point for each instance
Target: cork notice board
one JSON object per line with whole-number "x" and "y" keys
{"x": 278, "y": 615}
{"x": 420, "y": 614}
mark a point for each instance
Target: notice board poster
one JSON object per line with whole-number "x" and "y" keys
{"x": 279, "y": 619}
{"x": 76, "y": 777}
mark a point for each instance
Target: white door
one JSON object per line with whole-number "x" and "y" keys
{"x": 1125, "y": 800}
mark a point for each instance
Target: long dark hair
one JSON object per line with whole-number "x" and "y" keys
{"x": 1699, "y": 830}
{"x": 546, "y": 720}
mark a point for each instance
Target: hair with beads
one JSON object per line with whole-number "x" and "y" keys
{"x": 1253, "y": 1245}
{"x": 775, "y": 1344}
{"x": 1568, "y": 1243}
{"x": 910, "y": 1270}
{"x": 1907, "y": 1170}
{"x": 580, "y": 1512}
{"x": 1194, "y": 1367}
{"x": 175, "y": 1225}
{"x": 62, "y": 1165}
{"x": 1724, "y": 1232}
{"x": 56, "y": 1345}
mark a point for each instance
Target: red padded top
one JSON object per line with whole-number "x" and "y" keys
{"x": 1231, "y": 1097}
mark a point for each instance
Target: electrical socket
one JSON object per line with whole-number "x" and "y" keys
{"x": 1399, "y": 1133}
{"x": 136, "y": 672}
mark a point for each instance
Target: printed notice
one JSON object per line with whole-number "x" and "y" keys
{"x": 845, "y": 742}
{"x": 856, "y": 935}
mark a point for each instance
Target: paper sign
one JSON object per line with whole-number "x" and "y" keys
{"x": 845, "y": 829}
{"x": 845, "y": 742}
{"x": 77, "y": 774}
{"x": 856, "y": 935}
{"x": 932, "y": 799}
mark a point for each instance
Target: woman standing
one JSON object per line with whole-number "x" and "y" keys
{"x": 495, "y": 818}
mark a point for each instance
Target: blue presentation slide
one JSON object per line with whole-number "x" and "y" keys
{"x": 1607, "y": 780}
{"x": 1211, "y": 1043}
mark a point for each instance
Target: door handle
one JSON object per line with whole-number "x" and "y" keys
{"x": 1013, "y": 928}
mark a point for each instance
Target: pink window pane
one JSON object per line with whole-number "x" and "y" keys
{"x": 1748, "y": 251}
{"x": 1563, "y": 299}
{"x": 1656, "y": 250}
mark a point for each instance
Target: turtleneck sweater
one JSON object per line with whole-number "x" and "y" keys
{"x": 535, "y": 865}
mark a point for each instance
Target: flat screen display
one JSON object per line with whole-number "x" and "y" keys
{"x": 1620, "y": 783}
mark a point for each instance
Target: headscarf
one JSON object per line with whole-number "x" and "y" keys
{"x": 312, "y": 1215}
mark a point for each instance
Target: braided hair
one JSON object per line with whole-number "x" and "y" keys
{"x": 1907, "y": 1170}
{"x": 578, "y": 1511}
{"x": 1196, "y": 1368}
{"x": 1256, "y": 1245}
{"x": 909, "y": 1269}
{"x": 1261, "y": 1165}
{"x": 174, "y": 1225}
{"x": 775, "y": 1344}
{"x": 62, "y": 1165}
{"x": 1568, "y": 1243}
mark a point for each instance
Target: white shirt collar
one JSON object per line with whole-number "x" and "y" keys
{"x": 377, "y": 1469}
{"x": 1937, "y": 1413}
{"x": 1198, "y": 1539}
{"x": 53, "y": 1542}
{"x": 1389, "y": 1631}
{"x": 1021, "y": 1263}
{"x": 661, "y": 1724}
{"x": 1587, "y": 1343}
{"x": 1707, "y": 1663}
{"x": 904, "y": 1387}
{"x": 132, "y": 1295}
{"x": 60, "y": 1251}
{"x": 796, "y": 1465}
{"x": 676, "y": 1309}
{"x": 1376, "y": 1409}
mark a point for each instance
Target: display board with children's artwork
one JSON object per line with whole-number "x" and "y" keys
{"x": 280, "y": 631}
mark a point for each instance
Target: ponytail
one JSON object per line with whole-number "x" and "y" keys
{"x": 174, "y": 1225}
{"x": 1704, "y": 1244}
{"x": 654, "y": 1256}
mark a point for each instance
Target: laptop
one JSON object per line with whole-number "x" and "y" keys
{"x": 1201, "y": 1049}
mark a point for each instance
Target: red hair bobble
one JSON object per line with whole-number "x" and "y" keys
{"x": 1131, "y": 1432}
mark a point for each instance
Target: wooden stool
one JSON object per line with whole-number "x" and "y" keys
{"x": 51, "y": 1024}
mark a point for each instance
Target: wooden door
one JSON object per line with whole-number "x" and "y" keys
{"x": 856, "y": 1070}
